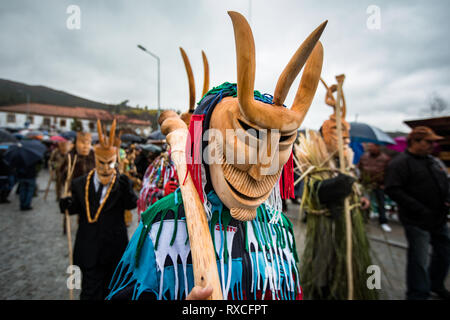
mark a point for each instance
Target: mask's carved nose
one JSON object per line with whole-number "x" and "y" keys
{"x": 255, "y": 172}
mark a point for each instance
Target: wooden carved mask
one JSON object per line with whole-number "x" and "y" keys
{"x": 64, "y": 147}
{"x": 105, "y": 154}
{"x": 259, "y": 134}
{"x": 83, "y": 143}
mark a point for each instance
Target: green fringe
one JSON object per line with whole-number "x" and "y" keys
{"x": 161, "y": 207}
{"x": 231, "y": 89}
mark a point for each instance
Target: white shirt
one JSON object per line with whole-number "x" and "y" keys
{"x": 97, "y": 184}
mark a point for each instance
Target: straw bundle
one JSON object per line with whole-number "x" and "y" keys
{"x": 323, "y": 264}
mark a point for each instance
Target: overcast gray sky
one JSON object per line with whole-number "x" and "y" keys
{"x": 390, "y": 72}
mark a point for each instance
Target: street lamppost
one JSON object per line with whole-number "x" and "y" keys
{"x": 159, "y": 88}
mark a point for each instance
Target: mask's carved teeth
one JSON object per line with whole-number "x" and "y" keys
{"x": 243, "y": 214}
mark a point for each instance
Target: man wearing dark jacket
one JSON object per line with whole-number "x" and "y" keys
{"x": 27, "y": 185}
{"x": 420, "y": 186}
{"x": 100, "y": 198}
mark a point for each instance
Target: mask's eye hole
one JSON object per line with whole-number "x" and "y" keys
{"x": 250, "y": 130}
{"x": 284, "y": 138}
{"x": 288, "y": 137}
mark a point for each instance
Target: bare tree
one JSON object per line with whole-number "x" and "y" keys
{"x": 437, "y": 106}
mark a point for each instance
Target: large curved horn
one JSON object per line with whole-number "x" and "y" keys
{"x": 245, "y": 57}
{"x": 190, "y": 76}
{"x": 101, "y": 138}
{"x": 205, "y": 74}
{"x": 112, "y": 134}
{"x": 309, "y": 82}
{"x": 296, "y": 63}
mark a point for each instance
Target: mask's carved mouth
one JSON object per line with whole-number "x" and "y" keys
{"x": 241, "y": 195}
{"x": 244, "y": 186}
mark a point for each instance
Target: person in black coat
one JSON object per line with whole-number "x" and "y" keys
{"x": 102, "y": 234}
{"x": 420, "y": 186}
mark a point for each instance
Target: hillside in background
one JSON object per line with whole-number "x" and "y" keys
{"x": 12, "y": 92}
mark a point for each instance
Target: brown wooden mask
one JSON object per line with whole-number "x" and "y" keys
{"x": 64, "y": 146}
{"x": 105, "y": 154}
{"x": 243, "y": 187}
{"x": 83, "y": 143}
{"x": 186, "y": 116}
{"x": 329, "y": 127}
{"x": 329, "y": 132}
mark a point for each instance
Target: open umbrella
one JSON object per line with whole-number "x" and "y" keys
{"x": 363, "y": 132}
{"x": 5, "y": 136}
{"x": 58, "y": 139}
{"x": 34, "y": 133}
{"x": 25, "y": 153}
{"x": 400, "y": 144}
{"x": 128, "y": 137}
{"x": 18, "y": 136}
{"x": 156, "y": 135}
{"x": 69, "y": 135}
{"x": 151, "y": 147}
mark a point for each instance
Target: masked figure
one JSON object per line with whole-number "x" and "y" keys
{"x": 160, "y": 178}
{"x": 85, "y": 160}
{"x": 325, "y": 188}
{"x": 100, "y": 198}
{"x": 55, "y": 162}
{"x": 254, "y": 242}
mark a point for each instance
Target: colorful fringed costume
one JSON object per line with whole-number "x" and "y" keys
{"x": 263, "y": 262}
{"x": 158, "y": 174}
{"x": 256, "y": 259}
{"x": 252, "y": 241}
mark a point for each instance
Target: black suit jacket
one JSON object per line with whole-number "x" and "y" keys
{"x": 420, "y": 187}
{"x": 102, "y": 242}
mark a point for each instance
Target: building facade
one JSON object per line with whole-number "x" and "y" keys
{"x": 35, "y": 116}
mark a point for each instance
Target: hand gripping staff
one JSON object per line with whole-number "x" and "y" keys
{"x": 202, "y": 249}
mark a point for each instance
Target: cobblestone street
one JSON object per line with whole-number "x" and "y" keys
{"x": 33, "y": 249}
{"x": 34, "y": 253}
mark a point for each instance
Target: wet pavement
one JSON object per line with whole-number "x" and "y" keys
{"x": 34, "y": 251}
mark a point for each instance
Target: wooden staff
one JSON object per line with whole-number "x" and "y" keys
{"x": 70, "y": 169}
{"x": 50, "y": 179}
{"x": 202, "y": 249}
{"x": 342, "y": 165}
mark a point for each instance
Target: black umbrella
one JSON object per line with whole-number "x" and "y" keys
{"x": 5, "y": 136}
{"x": 156, "y": 135}
{"x": 25, "y": 153}
{"x": 129, "y": 137}
{"x": 69, "y": 135}
{"x": 151, "y": 147}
